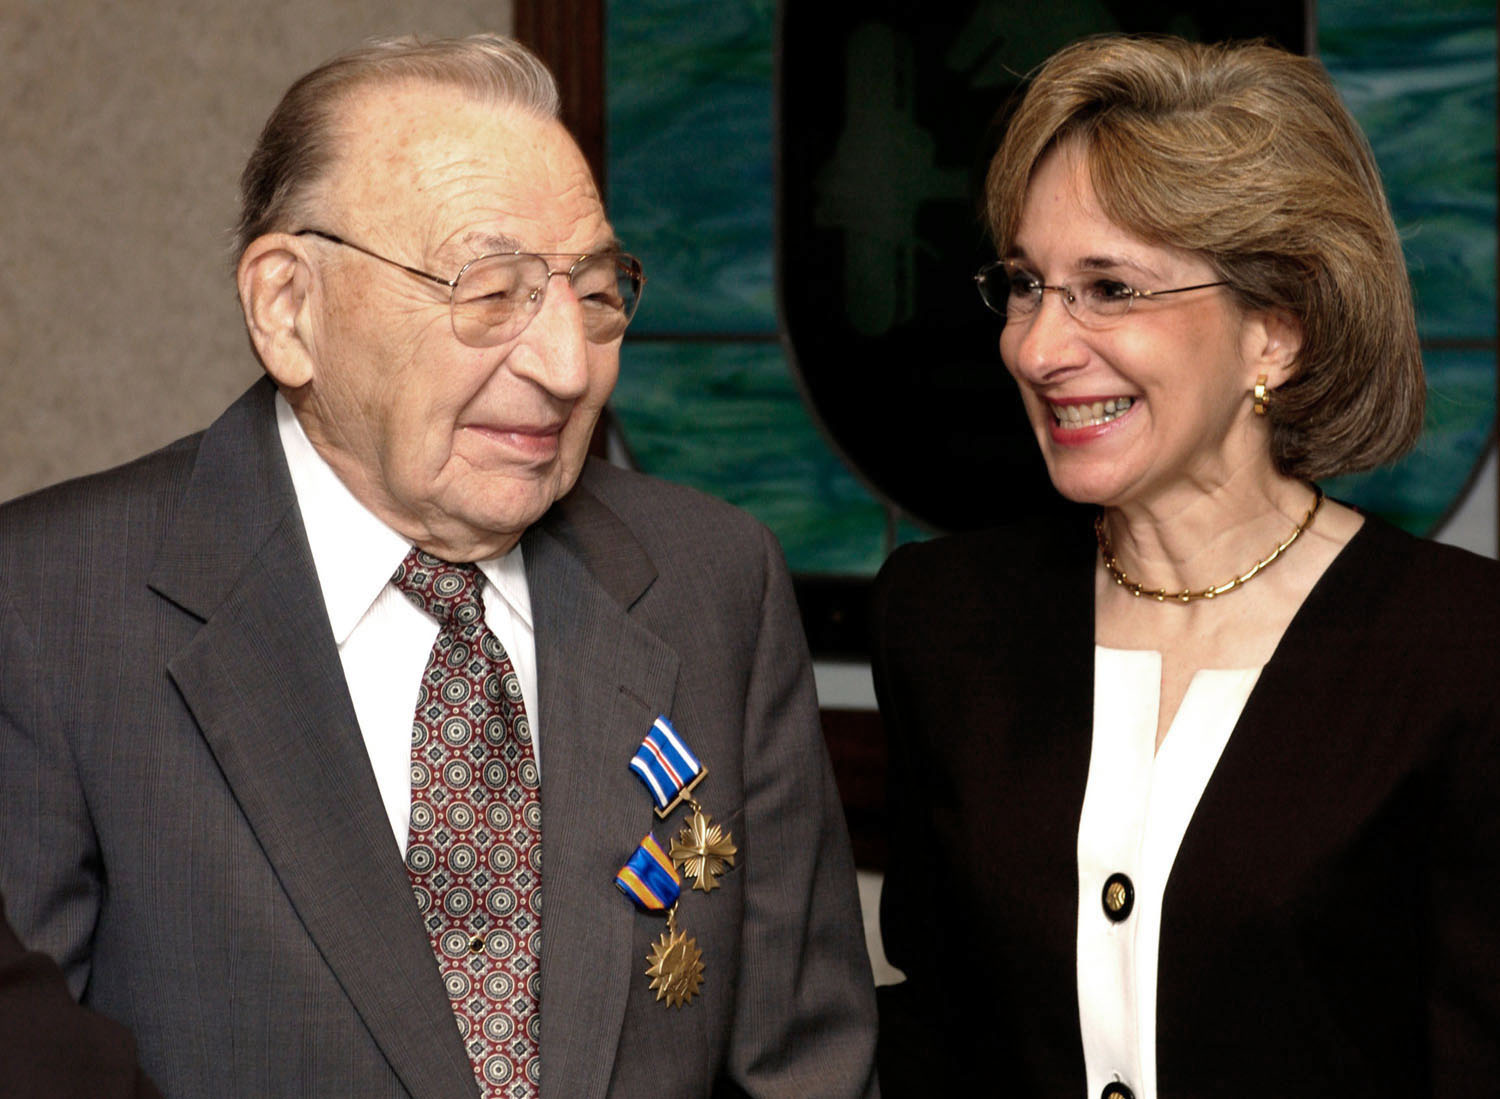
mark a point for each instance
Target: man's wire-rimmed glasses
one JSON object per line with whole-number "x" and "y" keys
{"x": 494, "y": 297}
{"x": 1016, "y": 294}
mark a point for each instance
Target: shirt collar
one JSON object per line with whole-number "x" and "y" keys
{"x": 354, "y": 552}
{"x": 507, "y": 577}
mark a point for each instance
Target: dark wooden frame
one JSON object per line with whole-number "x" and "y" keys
{"x": 569, "y": 36}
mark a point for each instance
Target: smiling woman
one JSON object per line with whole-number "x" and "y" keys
{"x": 1227, "y": 682}
{"x": 1178, "y": 362}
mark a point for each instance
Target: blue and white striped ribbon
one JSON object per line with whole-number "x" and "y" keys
{"x": 665, "y": 764}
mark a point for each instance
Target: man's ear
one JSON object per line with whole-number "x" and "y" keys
{"x": 1273, "y": 343}
{"x": 275, "y": 281}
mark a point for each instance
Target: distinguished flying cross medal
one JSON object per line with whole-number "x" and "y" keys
{"x": 703, "y": 850}
{"x": 670, "y": 770}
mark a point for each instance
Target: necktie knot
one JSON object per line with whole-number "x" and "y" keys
{"x": 445, "y": 590}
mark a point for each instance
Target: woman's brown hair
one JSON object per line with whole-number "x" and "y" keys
{"x": 1243, "y": 154}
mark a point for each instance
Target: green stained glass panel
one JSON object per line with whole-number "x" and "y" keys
{"x": 1419, "y": 491}
{"x": 1422, "y": 85}
{"x": 1421, "y": 82}
{"x": 726, "y": 418}
{"x": 689, "y": 135}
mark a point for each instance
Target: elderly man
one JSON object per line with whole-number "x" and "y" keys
{"x": 301, "y": 718}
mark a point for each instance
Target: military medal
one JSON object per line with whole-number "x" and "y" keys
{"x": 670, "y": 770}
{"x": 702, "y": 850}
{"x": 651, "y": 877}
{"x": 675, "y": 965}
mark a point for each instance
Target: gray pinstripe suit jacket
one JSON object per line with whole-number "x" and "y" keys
{"x": 190, "y": 824}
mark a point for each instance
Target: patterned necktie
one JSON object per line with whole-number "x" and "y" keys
{"x": 474, "y": 851}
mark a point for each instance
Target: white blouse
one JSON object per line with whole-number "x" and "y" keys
{"x": 1136, "y": 807}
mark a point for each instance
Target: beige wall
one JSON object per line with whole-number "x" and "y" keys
{"x": 122, "y": 133}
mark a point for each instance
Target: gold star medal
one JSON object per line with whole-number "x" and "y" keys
{"x": 675, "y": 965}
{"x": 703, "y": 850}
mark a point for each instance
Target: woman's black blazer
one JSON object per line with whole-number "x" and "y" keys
{"x": 1332, "y": 921}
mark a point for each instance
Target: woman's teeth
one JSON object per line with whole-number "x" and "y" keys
{"x": 1091, "y": 415}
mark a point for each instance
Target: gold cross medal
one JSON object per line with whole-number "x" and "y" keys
{"x": 670, "y": 771}
{"x": 702, "y": 850}
{"x": 675, "y": 964}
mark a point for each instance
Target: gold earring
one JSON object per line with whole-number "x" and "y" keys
{"x": 1262, "y": 395}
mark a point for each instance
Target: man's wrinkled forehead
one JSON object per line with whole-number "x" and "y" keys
{"x": 431, "y": 150}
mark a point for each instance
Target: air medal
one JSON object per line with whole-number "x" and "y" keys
{"x": 675, "y": 965}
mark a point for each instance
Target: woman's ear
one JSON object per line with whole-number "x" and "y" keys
{"x": 1273, "y": 342}
{"x": 275, "y": 281}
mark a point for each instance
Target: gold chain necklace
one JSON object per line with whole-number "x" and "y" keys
{"x": 1161, "y": 595}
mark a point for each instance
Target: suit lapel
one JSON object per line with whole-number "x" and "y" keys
{"x": 1287, "y": 782}
{"x": 602, "y": 679}
{"x": 1046, "y": 693}
{"x": 263, "y": 680}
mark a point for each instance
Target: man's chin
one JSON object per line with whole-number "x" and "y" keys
{"x": 510, "y": 504}
{"x": 483, "y": 513}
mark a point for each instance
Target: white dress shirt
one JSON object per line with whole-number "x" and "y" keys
{"x": 1136, "y": 807}
{"x": 383, "y": 639}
